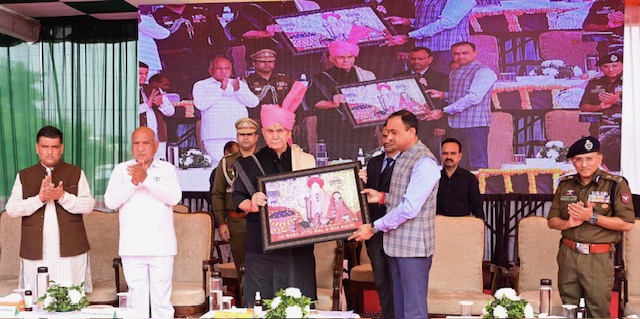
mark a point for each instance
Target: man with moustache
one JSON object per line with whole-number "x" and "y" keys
{"x": 458, "y": 193}
{"x": 51, "y": 197}
{"x": 222, "y": 101}
{"x": 341, "y": 139}
{"x": 232, "y": 225}
{"x": 295, "y": 267}
{"x": 379, "y": 171}
{"x": 144, "y": 191}
{"x": 591, "y": 209}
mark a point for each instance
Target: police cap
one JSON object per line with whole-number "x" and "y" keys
{"x": 584, "y": 145}
{"x": 246, "y": 125}
{"x": 264, "y": 55}
{"x": 609, "y": 58}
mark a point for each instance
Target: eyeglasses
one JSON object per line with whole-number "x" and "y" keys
{"x": 588, "y": 160}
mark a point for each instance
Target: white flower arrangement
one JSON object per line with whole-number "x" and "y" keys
{"x": 63, "y": 297}
{"x": 288, "y": 303}
{"x": 557, "y": 68}
{"x": 554, "y": 150}
{"x": 507, "y": 304}
{"x": 193, "y": 158}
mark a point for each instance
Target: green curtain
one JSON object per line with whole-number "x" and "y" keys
{"x": 81, "y": 78}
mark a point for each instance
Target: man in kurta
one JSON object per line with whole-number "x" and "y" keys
{"x": 144, "y": 190}
{"x": 51, "y": 197}
{"x": 222, "y": 101}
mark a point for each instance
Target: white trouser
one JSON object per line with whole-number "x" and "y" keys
{"x": 149, "y": 277}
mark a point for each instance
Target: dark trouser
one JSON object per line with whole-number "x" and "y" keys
{"x": 410, "y": 286}
{"x": 474, "y": 142}
{"x": 237, "y": 240}
{"x": 588, "y": 276}
{"x": 381, "y": 274}
{"x": 268, "y": 273}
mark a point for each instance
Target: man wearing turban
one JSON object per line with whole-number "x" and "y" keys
{"x": 333, "y": 127}
{"x": 295, "y": 267}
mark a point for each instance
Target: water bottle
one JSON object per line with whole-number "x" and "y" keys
{"x": 360, "y": 157}
{"x": 28, "y": 300}
{"x": 257, "y": 306}
{"x": 545, "y": 296}
{"x": 42, "y": 281}
{"x": 582, "y": 309}
{"x": 303, "y": 79}
{"x": 215, "y": 291}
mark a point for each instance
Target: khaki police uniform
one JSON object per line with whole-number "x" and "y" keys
{"x": 222, "y": 202}
{"x": 589, "y": 273}
{"x": 597, "y": 86}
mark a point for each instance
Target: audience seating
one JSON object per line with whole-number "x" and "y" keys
{"x": 360, "y": 278}
{"x": 228, "y": 272}
{"x": 631, "y": 274}
{"x": 10, "y": 230}
{"x": 537, "y": 250}
{"x": 566, "y": 46}
{"x": 329, "y": 256}
{"x": 103, "y": 231}
{"x": 500, "y": 139}
{"x": 457, "y": 267}
{"x": 564, "y": 126}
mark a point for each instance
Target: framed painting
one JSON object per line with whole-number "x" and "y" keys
{"x": 309, "y": 206}
{"x": 311, "y": 31}
{"x": 370, "y": 103}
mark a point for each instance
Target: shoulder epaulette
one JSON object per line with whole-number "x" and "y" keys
{"x": 612, "y": 177}
{"x": 567, "y": 177}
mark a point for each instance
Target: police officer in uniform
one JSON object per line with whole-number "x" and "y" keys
{"x": 604, "y": 95}
{"x": 592, "y": 208}
{"x": 186, "y": 53}
{"x": 270, "y": 87}
{"x": 232, "y": 225}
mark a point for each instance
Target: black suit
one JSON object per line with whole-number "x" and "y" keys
{"x": 381, "y": 273}
{"x": 436, "y": 81}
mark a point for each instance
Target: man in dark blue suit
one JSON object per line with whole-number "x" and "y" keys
{"x": 379, "y": 171}
{"x": 420, "y": 59}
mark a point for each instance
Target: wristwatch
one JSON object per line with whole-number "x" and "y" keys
{"x": 374, "y": 229}
{"x": 594, "y": 219}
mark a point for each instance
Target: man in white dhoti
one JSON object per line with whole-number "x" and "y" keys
{"x": 51, "y": 198}
{"x": 144, "y": 190}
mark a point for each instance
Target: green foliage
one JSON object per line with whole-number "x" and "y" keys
{"x": 64, "y": 298}
{"x": 288, "y": 303}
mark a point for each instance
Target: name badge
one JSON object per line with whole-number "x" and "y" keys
{"x": 158, "y": 179}
{"x": 568, "y": 198}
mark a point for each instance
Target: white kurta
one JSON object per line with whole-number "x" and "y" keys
{"x": 147, "y": 235}
{"x": 75, "y": 269}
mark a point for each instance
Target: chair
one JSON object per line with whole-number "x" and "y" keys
{"x": 228, "y": 272}
{"x": 566, "y": 46}
{"x": 537, "y": 250}
{"x": 631, "y": 274}
{"x": 181, "y": 208}
{"x": 563, "y": 125}
{"x": 329, "y": 256}
{"x": 360, "y": 279}
{"x": 103, "y": 231}
{"x": 488, "y": 52}
{"x": 193, "y": 263}
{"x": 500, "y": 139}
{"x": 457, "y": 267}
{"x": 10, "y": 230}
